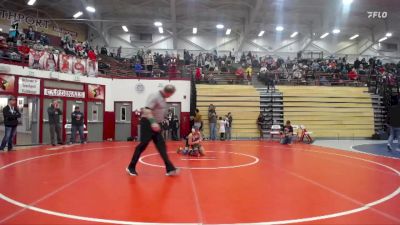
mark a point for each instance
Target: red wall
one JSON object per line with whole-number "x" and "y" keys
{"x": 109, "y": 125}
{"x": 135, "y": 123}
{"x": 185, "y": 124}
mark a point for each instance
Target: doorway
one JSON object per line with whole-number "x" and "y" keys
{"x": 123, "y": 123}
{"x": 95, "y": 121}
{"x": 46, "y": 127}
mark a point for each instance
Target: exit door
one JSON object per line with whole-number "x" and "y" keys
{"x": 28, "y": 129}
{"x": 95, "y": 121}
{"x": 123, "y": 123}
{"x": 71, "y": 104}
{"x": 46, "y": 127}
{"x": 175, "y": 108}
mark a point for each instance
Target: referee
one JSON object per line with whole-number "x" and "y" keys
{"x": 150, "y": 129}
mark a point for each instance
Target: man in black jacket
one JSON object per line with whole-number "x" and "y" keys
{"x": 54, "y": 113}
{"x": 77, "y": 125}
{"x": 394, "y": 123}
{"x": 11, "y": 115}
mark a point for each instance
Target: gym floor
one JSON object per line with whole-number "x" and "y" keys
{"x": 239, "y": 182}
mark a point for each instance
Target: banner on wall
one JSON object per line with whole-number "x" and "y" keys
{"x": 43, "y": 60}
{"x": 66, "y": 63}
{"x": 79, "y": 66}
{"x": 96, "y": 91}
{"x": 7, "y": 83}
{"x": 64, "y": 93}
{"x": 92, "y": 68}
{"x": 36, "y": 59}
{"x": 28, "y": 86}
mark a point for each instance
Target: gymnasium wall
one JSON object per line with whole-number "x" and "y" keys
{"x": 133, "y": 90}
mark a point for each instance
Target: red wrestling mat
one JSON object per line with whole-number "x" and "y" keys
{"x": 236, "y": 182}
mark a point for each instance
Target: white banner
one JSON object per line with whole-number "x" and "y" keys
{"x": 64, "y": 93}
{"x": 29, "y": 86}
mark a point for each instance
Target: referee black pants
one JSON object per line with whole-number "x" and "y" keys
{"x": 146, "y": 135}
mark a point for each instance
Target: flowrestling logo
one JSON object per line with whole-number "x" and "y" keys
{"x": 377, "y": 15}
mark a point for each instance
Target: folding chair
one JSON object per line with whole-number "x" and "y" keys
{"x": 305, "y": 134}
{"x": 275, "y": 130}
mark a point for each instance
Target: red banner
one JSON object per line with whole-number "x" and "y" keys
{"x": 96, "y": 91}
{"x": 7, "y": 83}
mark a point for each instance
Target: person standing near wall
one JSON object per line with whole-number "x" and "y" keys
{"x": 228, "y": 127}
{"x": 77, "y": 122}
{"x": 175, "y": 128}
{"x": 212, "y": 119}
{"x": 11, "y": 115}
{"x": 150, "y": 129}
{"x": 394, "y": 123}
{"x": 54, "y": 113}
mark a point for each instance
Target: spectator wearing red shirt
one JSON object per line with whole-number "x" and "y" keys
{"x": 198, "y": 74}
{"x": 91, "y": 55}
{"x": 353, "y": 74}
{"x": 239, "y": 74}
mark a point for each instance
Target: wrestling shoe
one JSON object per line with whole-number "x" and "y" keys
{"x": 173, "y": 173}
{"x": 131, "y": 173}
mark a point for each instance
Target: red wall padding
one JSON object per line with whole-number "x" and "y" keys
{"x": 135, "y": 123}
{"x": 185, "y": 124}
{"x": 109, "y": 125}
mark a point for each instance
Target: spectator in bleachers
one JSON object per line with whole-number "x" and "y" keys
{"x": 287, "y": 133}
{"x": 103, "y": 50}
{"x": 92, "y": 55}
{"x": 249, "y": 73}
{"x": 149, "y": 61}
{"x": 44, "y": 40}
{"x": 138, "y": 68}
{"x": 119, "y": 52}
{"x": 198, "y": 74}
{"x": 239, "y": 75}
{"x": 357, "y": 64}
{"x": 353, "y": 74}
{"x": 30, "y": 35}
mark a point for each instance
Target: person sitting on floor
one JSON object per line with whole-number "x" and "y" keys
{"x": 193, "y": 144}
{"x": 287, "y": 133}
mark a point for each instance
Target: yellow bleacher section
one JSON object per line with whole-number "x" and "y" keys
{"x": 343, "y": 112}
{"x": 242, "y": 101}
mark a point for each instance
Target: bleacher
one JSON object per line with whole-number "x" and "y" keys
{"x": 242, "y": 101}
{"x": 334, "y": 112}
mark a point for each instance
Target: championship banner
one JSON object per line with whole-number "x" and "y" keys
{"x": 36, "y": 59}
{"x": 7, "y": 83}
{"x": 96, "y": 91}
{"x": 66, "y": 63}
{"x": 79, "y": 66}
{"x": 92, "y": 68}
